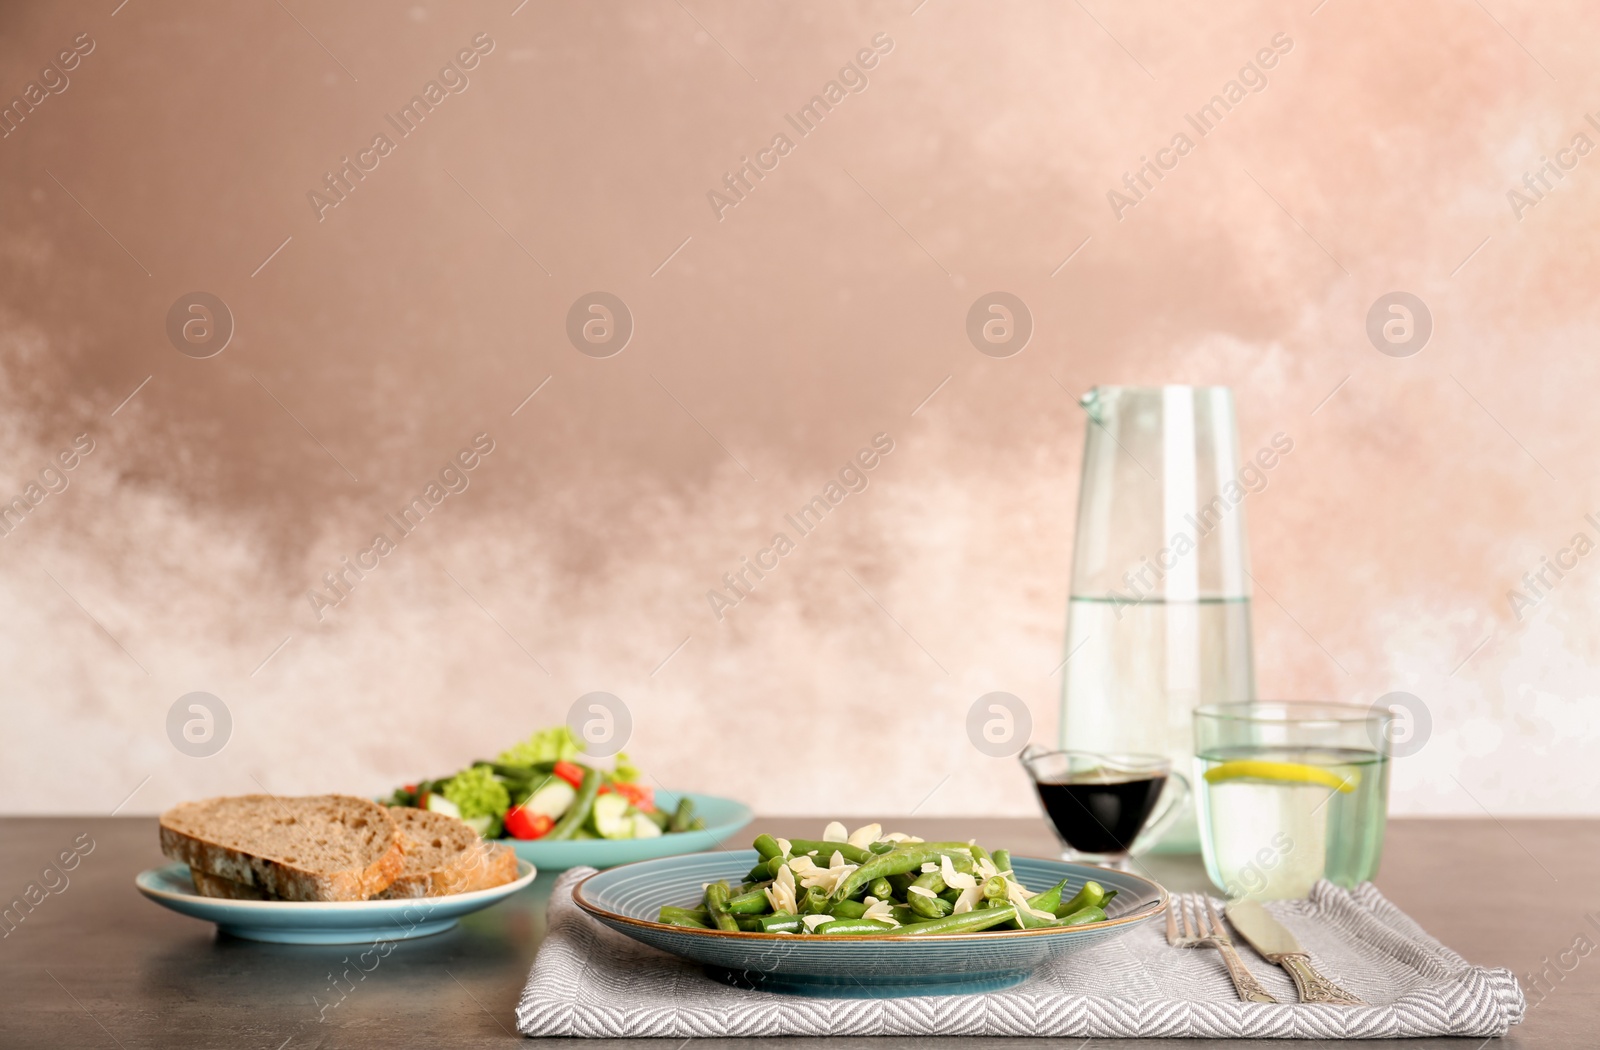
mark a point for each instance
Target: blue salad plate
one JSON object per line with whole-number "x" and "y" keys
{"x": 322, "y": 922}
{"x": 723, "y": 818}
{"x": 628, "y": 899}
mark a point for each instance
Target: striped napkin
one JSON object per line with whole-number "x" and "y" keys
{"x": 589, "y": 981}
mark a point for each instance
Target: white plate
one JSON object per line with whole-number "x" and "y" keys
{"x": 322, "y": 922}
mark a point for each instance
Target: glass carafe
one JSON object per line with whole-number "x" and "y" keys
{"x": 1158, "y": 621}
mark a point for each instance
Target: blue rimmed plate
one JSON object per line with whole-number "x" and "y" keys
{"x": 322, "y": 922}
{"x": 723, "y": 817}
{"x": 629, "y": 898}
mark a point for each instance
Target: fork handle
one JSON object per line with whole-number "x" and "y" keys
{"x": 1244, "y": 982}
{"x": 1313, "y": 987}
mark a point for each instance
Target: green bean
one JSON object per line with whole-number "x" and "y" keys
{"x": 900, "y": 883}
{"x": 903, "y": 914}
{"x": 857, "y": 926}
{"x": 759, "y": 873}
{"x": 881, "y": 847}
{"x": 881, "y": 889}
{"x": 826, "y": 850}
{"x": 1084, "y": 915}
{"x": 767, "y": 846}
{"x": 693, "y": 918}
{"x": 815, "y": 902}
{"x": 979, "y": 853}
{"x": 1092, "y": 894}
{"x": 923, "y": 905}
{"x": 717, "y": 906}
{"x": 902, "y": 859}
{"x": 579, "y": 811}
{"x": 847, "y": 909}
{"x": 1047, "y": 901}
{"x": 752, "y": 903}
{"x": 967, "y": 922}
{"x": 778, "y": 922}
{"x": 681, "y": 817}
{"x": 1002, "y": 860}
{"x": 995, "y": 888}
{"x": 1050, "y": 899}
{"x": 853, "y": 925}
{"x": 513, "y": 772}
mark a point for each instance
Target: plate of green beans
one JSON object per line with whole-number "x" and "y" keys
{"x": 868, "y": 914}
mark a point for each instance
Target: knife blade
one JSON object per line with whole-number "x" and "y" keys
{"x": 1273, "y": 941}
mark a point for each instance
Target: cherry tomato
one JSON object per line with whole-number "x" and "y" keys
{"x": 571, "y": 773}
{"x": 520, "y": 824}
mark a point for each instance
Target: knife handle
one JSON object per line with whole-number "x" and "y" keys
{"x": 1313, "y": 987}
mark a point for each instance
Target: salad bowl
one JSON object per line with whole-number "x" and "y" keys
{"x": 628, "y": 899}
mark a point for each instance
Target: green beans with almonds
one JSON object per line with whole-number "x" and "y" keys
{"x": 832, "y": 887}
{"x": 901, "y": 859}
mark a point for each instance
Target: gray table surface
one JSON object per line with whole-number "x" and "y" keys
{"x": 97, "y": 965}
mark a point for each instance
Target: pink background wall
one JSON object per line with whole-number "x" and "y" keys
{"x": 770, "y": 344}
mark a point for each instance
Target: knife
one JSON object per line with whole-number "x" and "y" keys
{"x": 1277, "y": 945}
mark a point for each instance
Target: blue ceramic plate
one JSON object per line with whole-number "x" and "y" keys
{"x": 321, "y": 922}
{"x": 723, "y": 816}
{"x": 628, "y": 899}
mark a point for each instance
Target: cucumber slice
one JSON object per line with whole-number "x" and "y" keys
{"x": 610, "y": 817}
{"x": 644, "y": 827}
{"x": 439, "y": 804}
{"x": 551, "y": 800}
{"x": 479, "y": 824}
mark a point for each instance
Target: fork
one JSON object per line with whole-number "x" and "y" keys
{"x": 1198, "y": 934}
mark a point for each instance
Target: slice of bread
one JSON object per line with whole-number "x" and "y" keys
{"x": 442, "y": 856}
{"x": 313, "y": 848}
{"x": 445, "y": 856}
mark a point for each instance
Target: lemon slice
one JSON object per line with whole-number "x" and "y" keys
{"x": 1281, "y": 773}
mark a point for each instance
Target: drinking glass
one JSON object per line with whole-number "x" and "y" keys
{"x": 1105, "y": 808}
{"x": 1159, "y": 617}
{"x": 1289, "y": 793}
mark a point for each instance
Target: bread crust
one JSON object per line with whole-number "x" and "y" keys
{"x": 276, "y": 876}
